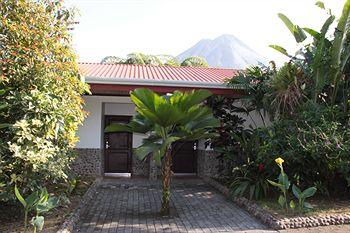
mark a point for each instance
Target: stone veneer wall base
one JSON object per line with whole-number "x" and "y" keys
{"x": 284, "y": 223}
{"x": 88, "y": 162}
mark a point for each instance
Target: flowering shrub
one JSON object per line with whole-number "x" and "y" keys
{"x": 41, "y": 94}
{"x": 283, "y": 185}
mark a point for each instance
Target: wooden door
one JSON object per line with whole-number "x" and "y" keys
{"x": 184, "y": 157}
{"x": 118, "y": 147}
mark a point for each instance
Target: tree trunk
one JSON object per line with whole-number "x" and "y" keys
{"x": 166, "y": 176}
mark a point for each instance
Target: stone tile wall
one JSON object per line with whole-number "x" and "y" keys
{"x": 140, "y": 168}
{"x": 209, "y": 165}
{"x": 89, "y": 162}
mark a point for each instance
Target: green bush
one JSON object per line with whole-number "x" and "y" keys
{"x": 315, "y": 146}
{"x": 42, "y": 94}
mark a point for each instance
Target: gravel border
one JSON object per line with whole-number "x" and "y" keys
{"x": 283, "y": 223}
{"x": 70, "y": 222}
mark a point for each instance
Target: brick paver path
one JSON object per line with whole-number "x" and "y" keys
{"x": 132, "y": 205}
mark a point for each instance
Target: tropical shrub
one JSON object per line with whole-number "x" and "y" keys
{"x": 41, "y": 90}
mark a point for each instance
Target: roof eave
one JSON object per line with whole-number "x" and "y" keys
{"x": 151, "y": 82}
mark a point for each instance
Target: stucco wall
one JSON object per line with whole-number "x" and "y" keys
{"x": 90, "y": 133}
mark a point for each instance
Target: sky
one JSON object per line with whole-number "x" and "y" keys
{"x": 119, "y": 27}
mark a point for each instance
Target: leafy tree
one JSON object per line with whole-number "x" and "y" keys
{"x": 41, "y": 90}
{"x": 165, "y": 120}
{"x": 169, "y": 60}
{"x": 195, "y": 61}
{"x": 142, "y": 59}
{"x": 156, "y": 60}
{"x": 112, "y": 60}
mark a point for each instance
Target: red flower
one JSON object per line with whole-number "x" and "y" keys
{"x": 261, "y": 167}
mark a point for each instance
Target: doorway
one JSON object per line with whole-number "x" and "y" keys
{"x": 117, "y": 147}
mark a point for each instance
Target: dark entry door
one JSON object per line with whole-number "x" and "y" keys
{"x": 118, "y": 147}
{"x": 184, "y": 157}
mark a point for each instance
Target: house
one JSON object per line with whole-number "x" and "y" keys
{"x": 107, "y": 153}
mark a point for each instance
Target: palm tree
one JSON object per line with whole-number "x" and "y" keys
{"x": 165, "y": 120}
{"x": 195, "y": 61}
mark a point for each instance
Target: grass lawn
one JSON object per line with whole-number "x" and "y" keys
{"x": 11, "y": 217}
{"x": 321, "y": 207}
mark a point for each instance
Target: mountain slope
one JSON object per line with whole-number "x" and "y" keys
{"x": 225, "y": 51}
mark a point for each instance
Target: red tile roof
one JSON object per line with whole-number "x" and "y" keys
{"x": 164, "y": 74}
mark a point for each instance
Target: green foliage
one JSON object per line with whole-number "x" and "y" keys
{"x": 38, "y": 203}
{"x": 142, "y": 59}
{"x": 250, "y": 180}
{"x": 308, "y": 99}
{"x": 40, "y": 97}
{"x": 112, "y": 60}
{"x": 169, "y": 60}
{"x": 253, "y": 82}
{"x": 195, "y": 61}
{"x": 326, "y": 59}
{"x": 165, "y": 120}
{"x": 297, "y": 32}
{"x": 231, "y": 127}
{"x": 302, "y": 195}
{"x": 314, "y": 143}
{"x": 73, "y": 183}
{"x": 283, "y": 185}
{"x": 155, "y": 60}
{"x": 285, "y": 93}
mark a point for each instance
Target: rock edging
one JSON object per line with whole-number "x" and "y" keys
{"x": 70, "y": 222}
{"x": 284, "y": 223}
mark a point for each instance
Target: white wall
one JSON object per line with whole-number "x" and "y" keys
{"x": 90, "y": 133}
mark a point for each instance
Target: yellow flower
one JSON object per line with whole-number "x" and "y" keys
{"x": 279, "y": 161}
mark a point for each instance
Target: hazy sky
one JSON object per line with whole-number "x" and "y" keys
{"x": 119, "y": 27}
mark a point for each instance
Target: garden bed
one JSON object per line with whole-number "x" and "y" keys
{"x": 326, "y": 212}
{"x": 11, "y": 217}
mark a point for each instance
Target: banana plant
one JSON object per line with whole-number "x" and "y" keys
{"x": 37, "y": 202}
{"x": 165, "y": 120}
{"x": 326, "y": 59}
{"x": 340, "y": 48}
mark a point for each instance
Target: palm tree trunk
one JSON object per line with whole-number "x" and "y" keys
{"x": 166, "y": 176}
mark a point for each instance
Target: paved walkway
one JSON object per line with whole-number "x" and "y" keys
{"x": 132, "y": 205}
